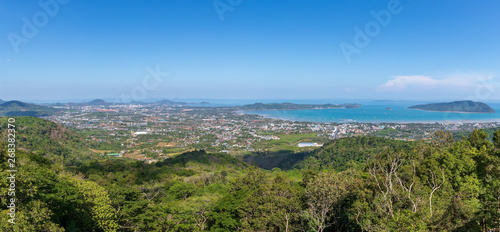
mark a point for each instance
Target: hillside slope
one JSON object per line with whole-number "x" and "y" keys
{"x": 53, "y": 199}
{"x": 18, "y": 108}
{"x": 47, "y": 138}
{"x": 348, "y": 152}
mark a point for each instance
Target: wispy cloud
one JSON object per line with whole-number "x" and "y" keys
{"x": 456, "y": 81}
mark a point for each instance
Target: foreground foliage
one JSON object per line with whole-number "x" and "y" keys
{"x": 352, "y": 184}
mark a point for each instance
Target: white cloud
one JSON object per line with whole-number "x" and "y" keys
{"x": 457, "y": 81}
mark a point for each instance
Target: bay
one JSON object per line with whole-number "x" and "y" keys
{"x": 377, "y": 112}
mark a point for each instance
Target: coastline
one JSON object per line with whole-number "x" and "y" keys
{"x": 301, "y": 109}
{"x": 336, "y": 108}
{"x": 448, "y": 121}
{"x": 458, "y": 112}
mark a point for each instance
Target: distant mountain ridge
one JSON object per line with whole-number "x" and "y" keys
{"x": 18, "y": 108}
{"x": 168, "y": 102}
{"x": 292, "y": 106}
{"x": 456, "y": 106}
{"x": 14, "y": 103}
{"x": 101, "y": 102}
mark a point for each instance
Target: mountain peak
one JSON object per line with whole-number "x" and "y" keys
{"x": 19, "y": 108}
{"x": 14, "y": 103}
{"x": 98, "y": 102}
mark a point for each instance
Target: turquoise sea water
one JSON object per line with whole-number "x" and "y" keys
{"x": 377, "y": 112}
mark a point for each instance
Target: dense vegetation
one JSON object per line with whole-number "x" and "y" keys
{"x": 352, "y": 152}
{"x": 352, "y": 184}
{"x": 49, "y": 139}
{"x": 463, "y": 134}
{"x": 49, "y": 198}
{"x": 456, "y": 106}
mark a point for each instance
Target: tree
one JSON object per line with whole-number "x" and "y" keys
{"x": 442, "y": 138}
{"x": 182, "y": 190}
{"x": 479, "y": 138}
{"x": 33, "y": 217}
{"x": 322, "y": 195}
{"x": 273, "y": 205}
{"x": 200, "y": 215}
{"x": 496, "y": 139}
{"x": 434, "y": 184}
{"x": 383, "y": 170}
{"x": 97, "y": 199}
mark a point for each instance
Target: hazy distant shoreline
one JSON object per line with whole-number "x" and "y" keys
{"x": 375, "y": 121}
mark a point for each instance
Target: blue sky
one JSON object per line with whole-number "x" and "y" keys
{"x": 249, "y": 49}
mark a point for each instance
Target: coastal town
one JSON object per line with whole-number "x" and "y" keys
{"x": 152, "y": 132}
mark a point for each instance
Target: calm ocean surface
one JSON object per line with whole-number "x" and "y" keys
{"x": 377, "y": 112}
{"x": 370, "y": 111}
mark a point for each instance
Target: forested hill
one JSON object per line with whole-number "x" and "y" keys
{"x": 104, "y": 193}
{"x": 456, "y": 106}
{"x": 47, "y": 138}
{"x": 98, "y": 102}
{"x": 203, "y": 158}
{"x": 17, "y": 108}
{"x": 292, "y": 106}
{"x": 344, "y": 153}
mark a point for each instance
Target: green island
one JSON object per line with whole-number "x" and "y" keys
{"x": 292, "y": 106}
{"x": 456, "y": 106}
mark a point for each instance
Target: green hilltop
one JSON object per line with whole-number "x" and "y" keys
{"x": 97, "y": 102}
{"x": 456, "y": 106}
{"x": 18, "y": 108}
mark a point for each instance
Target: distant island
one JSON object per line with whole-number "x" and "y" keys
{"x": 456, "y": 106}
{"x": 18, "y": 108}
{"x": 292, "y": 106}
{"x": 98, "y": 102}
{"x": 171, "y": 103}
